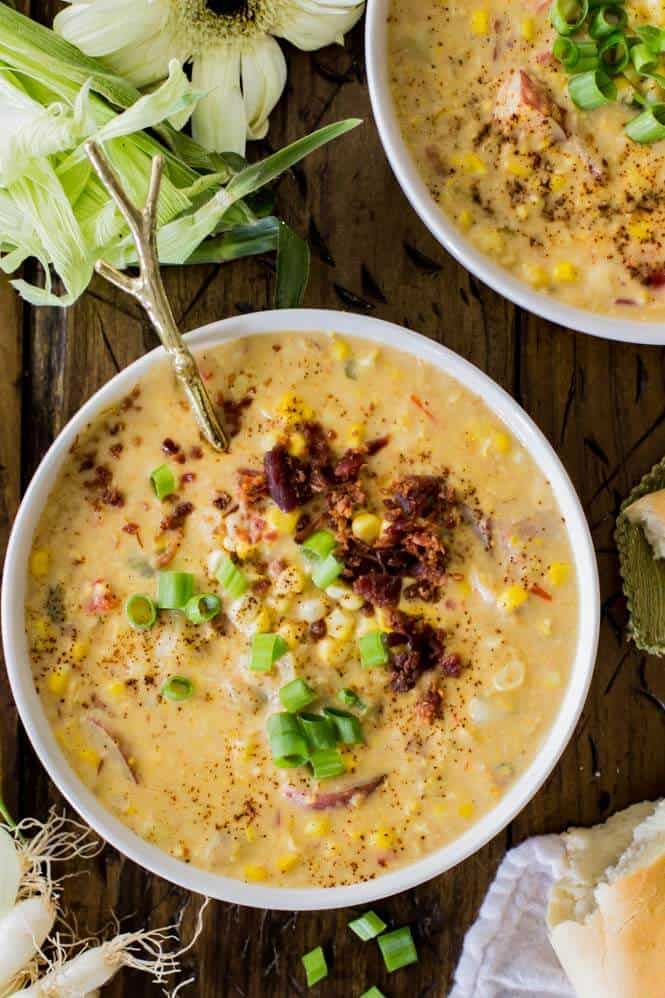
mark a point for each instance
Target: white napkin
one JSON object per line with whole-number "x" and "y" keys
{"x": 507, "y": 953}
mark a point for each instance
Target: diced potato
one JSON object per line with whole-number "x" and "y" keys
{"x": 340, "y": 625}
{"x": 289, "y": 582}
{"x": 345, "y": 596}
{"x": 329, "y": 650}
{"x": 312, "y": 609}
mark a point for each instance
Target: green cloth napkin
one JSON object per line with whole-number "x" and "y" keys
{"x": 643, "y": 575}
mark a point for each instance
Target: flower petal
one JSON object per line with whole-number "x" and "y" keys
{"x": 103, "y": 26}
{"x": 311, "y": 24}
{"x": 263, "y": 80}
{"x": 148, "y": 61}
{"x": 219, "y": 121}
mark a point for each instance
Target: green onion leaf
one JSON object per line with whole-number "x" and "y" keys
{"x": 643, "y": 58}
{"x": 327, "y": 763}
{"x": 368, "y": 926}
{"x": 293, "y": 260}
{"x": 319, "y": 545}
{"x": 591, "y": 90}
{"x": 606, "y": 20}
{"x": 287, "y": 742}
{"x": 178, "y": 688}
{"x": 575, "y": 56}
{"x": 232, "y": 579}
{"x": 296, "y": 695}
{"x": 350, "y": 698}
{"x": 163, "y": 481}
{"x": 319, "y": 732}
{"x": 174, "y": 590}
{"x": 348, "y": 727}
{"x": 316, "y": 968}
{"x": 398, "y": 949}
{"x": 266, "y": 649}
{"x": 568, "y": 16}
{"x": 373, "y": 649}
{"x": 325, "y": 572}
{"x": 649, "y": 126}
{"x": 653, "y": 38}
{"x": 614, "y": 53}
{"x": 141, "y": 611}
{"x": 202, "y": 608}
{"x": 373, "y": 993}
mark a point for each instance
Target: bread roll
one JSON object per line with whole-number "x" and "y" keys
{"x": 606, "y": 915}
{"x": 649, "y": 513}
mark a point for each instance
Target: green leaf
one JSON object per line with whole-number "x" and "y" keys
{"x": 258, "y": 237}
{"x": 293, "y": 259}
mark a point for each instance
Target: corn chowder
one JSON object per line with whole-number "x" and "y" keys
{"x": 322, "y": 655}
{"x": 541, "y": 142}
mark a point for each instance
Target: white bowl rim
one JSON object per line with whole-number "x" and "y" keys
{"x": 258, "y": 895}
{"x": 448, "y": 234}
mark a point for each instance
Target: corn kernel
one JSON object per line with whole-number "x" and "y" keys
{"x": 40, "y": 561}
{"x": 470, "y": 163}
{"x": 283, "y": 523}
{"x": 490, "y": 240}
{"x": 518, "y": 167}
{"x": 465, "y": 220}
{"x": 381, "y": 838}
{"x": 558, "y": 572}
{"x": 512, "y": 597}
{"x": 640, "y": 230}
{"x": 293, "y": 632}
{"x": 340, "y": 625}
{"x": 58, "y": 681}
{"x": 536, "y": 275}
{"x": 247, "y": 749}
{"x": 463, "y": 588}
{"x": 366, "y": 527}
{"x": 116, "y": 689}
{"x": 465, "y": 810}
{"x": 80, "y": 649}
{"x": 528, "y": 29}
{"x": 329, "y": 650}
{"x": 316, "y": 828}
{"x": 480, "y": 21}
{"x": 289, "y": 582}
{"x": 564, "y": 272}
{"x": 293, "y": 409}
{"x": 287, "y": 862}
{"x": 356, "y": 434}
{"x": 255, "y": 873}
{"x": 345, "y": 596}
{"x": 501, "y": 441}
{"x": 340, "y": 348}
{"x": 297, "y": 444}
{"x": 557, "y": 182}
{"x": 89, "y": 756}
{"x": 250, "y": 833}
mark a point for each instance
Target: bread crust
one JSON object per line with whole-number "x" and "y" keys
{"x": 649, "y": 513}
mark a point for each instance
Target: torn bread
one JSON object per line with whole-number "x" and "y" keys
{"x": 649, "y": 513}
{"x": 606, "y": 914}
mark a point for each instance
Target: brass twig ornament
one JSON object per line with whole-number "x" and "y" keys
{"x": 148, "y": 289}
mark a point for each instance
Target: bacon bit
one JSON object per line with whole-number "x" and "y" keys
{"x": 188, "y": 477}
{"x": 379, "y": 588}
{"x": 133, "y": 529}
{"x": 655, "y": 279}
{"x": 288, "y": 479}
{"x": 116, "y": 450}
{"x": 374, "y": 446}
{"x": 317, "y": 630}
{"x": 542, "y": 593}
{"x": 222, "y": 501}
{"x": 340, "y": 798}
{"x": 129, "y": 401}
{"x": 116, "y": 428}
{"x": 625, "y": 301}
{"x": 430, "y": 707}
{"x": 303, "y": 528}
{"x": 196, "y": 453}
{"x": 173, "y": 543}
{"x": 233, "y": 412}
{"x": 102, "y": 599}
{"x": 176, "y": 520}
{"x": 261, "y": 586}
{"x": 169, "y": 446}
{"x": 252, "y": 485}
{"x": 88, "y": 462}
{"x": 256, "y": 527}
{"x": 421, "y": 405}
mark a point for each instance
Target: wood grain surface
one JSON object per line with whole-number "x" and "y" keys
{"x": 601, "y": 404}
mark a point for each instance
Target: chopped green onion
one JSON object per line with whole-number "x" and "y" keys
{"x": 202, "y": 608}
{"x": 174, "y": 590}
{"x": 348, "y": 727}
{"x": 316, "y": 968}
{"x": 606, "y": 20}
{"x": 319, "y": 731}
{"x": 178, "y": 688}
{"x": 296, "y": 695}
{"x": 350, "y": 698}
{"x": 614, "y": 53}
{"x": 643, "y": 58}
{"x": 163, "y": 481}
{"x": 373, "y": 649}
{"x": 373, "y": 993}
{"x": 325, "y": 572}
{"x": 283, "y": 724}
{"x": 368, "y": 926}
{"x": 398, "y": 949}
{"x": 231, "y": 578}
{"x": 319, "y": 545}
{"x": 141, "y": 611}
{"x": 592, "y": 89}
{"x": 327, "y": 763}
{"x": 575, "y": 56}
{"x": 568, "y": 16}
{"x": 287, "y": 742}
{"x": 266, "y": 649}
{"x": 649, "y": 126}
{"x": 653, "y": 38}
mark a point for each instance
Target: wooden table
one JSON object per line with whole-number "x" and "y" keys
{"x": 601, "y": 405}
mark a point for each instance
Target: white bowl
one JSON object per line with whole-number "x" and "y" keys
{"x": 447, "y": 233}
{"x": 225, "y": 888}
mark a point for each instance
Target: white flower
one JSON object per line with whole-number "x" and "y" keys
{"x": 235, "y": 59}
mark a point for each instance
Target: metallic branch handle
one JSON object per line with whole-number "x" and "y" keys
{"x": 148, "y": 289}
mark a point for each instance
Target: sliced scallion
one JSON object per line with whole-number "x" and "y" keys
{"x": 325, "y": 572}
{"x": 649, "y": 126}
{"x": 296, "y": 695}
{"x": 202, "y": 608}
{"x": 327, "y": 763}
{"x": 140, "y": 611}
{"x": 643, "y": 58}
{"x": 348, "y": 727}
{"x": 368, "y": 926}
{"x": 568, "y": 16}
{"x": 163, "y": 481}
{"x": 232, "y": 579}
{"x": 398, "y": 949}
{"x": 266, "y": 649}
{"x": 576, "y": 57}
{"x": 174, "y": 590}
{"x": 591, "y": 90}
{"x": 287, "y": 742}
{"x": 319, "y": 545}
{"x": 653, "y": 37}
{"x": 316, "y": 968}
{"x": 178, "y": 688}
{"x": 373, "y": 649}
{"x": 606, "y": 20}
{"x": 350, "y": 698}
{"x": 319, "y": 731}
{"x": 614, "y": 53}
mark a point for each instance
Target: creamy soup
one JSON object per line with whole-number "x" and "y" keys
{"x": 561, "y": 196}
{"x": 392, "y": 604}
